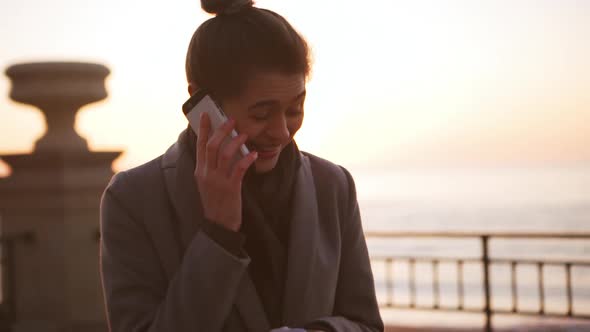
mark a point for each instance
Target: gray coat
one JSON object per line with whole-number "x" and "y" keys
{"x": 160, "y": 272}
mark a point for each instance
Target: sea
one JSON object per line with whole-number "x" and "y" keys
{"x": 544, "y": 199}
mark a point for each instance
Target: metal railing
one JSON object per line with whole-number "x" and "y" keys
{"x": 486, "y": 261}
{"x": 8, "y": 243}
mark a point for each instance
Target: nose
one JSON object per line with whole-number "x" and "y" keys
{"x": 278, "y": 128}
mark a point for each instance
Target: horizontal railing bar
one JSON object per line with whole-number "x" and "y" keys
{"x": 384, "y": 234}
{"x": 480, "y": 311}
{"x": 536, "y": 313}
{"x": 536, "y": 262}
{"x": 427, "y": 259}
{"x": 430, "y": 308}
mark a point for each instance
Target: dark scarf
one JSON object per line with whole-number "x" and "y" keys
{"x": 266, "y": 211}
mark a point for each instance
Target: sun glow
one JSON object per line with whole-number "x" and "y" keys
{"x": 394, "y": 82}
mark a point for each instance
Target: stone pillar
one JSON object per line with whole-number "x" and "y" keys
{"x": 55, "y": 193}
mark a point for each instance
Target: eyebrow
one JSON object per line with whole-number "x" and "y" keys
{"x": 274, "y": 102}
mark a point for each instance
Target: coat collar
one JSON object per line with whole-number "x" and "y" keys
{"x": 302, "y": 270}
{"x": 303, "y": 273}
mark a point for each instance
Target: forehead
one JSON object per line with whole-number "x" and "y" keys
{"x": 273, "y": 86}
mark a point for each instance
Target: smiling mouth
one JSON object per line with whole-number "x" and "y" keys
{"x": 258, "y": 148}
{"x": 265, "y": 152}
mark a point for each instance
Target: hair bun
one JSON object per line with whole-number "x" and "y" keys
{"x": 220, "y": 7}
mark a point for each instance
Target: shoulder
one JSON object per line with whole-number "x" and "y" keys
{"x": 134, "y": 193}
{"x": 336, "y": 192}
{"x": 132, "y": 182}
{"x": 331, "y": 178}
{"x": 327, "y": 171}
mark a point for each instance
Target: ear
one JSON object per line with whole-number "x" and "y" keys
{"x": 192, "y": 88}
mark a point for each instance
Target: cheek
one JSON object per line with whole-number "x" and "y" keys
{"x": 250, "y": 128}
{"x": 293, "y": 125}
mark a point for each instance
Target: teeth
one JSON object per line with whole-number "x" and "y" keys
{"x": 259, "y": 149}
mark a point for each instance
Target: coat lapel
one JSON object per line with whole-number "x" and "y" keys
{"x": 303, "y": 249}
{"x": 178, "y": 168}
{"x": 178, "y": 172}
{"x": 250, "y": 306}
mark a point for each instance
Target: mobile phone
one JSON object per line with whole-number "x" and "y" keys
{"x": 201, "y": 102}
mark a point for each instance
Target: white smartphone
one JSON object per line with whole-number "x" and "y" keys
{"x": 201, "y": 102}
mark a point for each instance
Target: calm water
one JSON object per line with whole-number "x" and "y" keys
{"x": 550, "y": 199}
{"x": 480, "y": 200}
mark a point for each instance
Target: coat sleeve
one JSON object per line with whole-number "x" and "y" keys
{"x": 355, "y": 307}
{"x": 138, "y": 296}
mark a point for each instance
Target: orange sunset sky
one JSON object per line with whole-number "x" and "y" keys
{"x": 395, "y": 83}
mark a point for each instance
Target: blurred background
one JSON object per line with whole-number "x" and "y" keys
{"x": 482, "y": 100}
{"x": 451, "y": 115}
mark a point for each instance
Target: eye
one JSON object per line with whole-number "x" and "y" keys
{"x": 260, "y": 116}
{"x": 295, "y": 111}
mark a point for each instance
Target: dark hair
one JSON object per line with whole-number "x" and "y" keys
{"x": 240, "y": 41}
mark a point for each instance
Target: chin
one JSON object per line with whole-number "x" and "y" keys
{"x": 263, "y": 166}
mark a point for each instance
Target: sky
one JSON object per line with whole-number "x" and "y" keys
{"x": 394, "y": 83}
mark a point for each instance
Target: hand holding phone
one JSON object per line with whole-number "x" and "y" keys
{"x": 221, "y": 162}
{"x": 201, "y": 102}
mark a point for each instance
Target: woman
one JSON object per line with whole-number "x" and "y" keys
{"x": 193, "y": 242}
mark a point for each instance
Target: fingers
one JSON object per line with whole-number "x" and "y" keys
{"x": 228, "y": 154}
{"x": 212, "y": 156}
{"x": 214, "y": 143}
{"x": 242, "y": 166}
{"x": 204, "y": 128}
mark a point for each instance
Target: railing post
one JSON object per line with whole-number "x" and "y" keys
{"x": 8, "y": 281}
{"x": 486, "y": 282}
{"x": 4, "y": 314}
{"x": 513, "y": 282}
{"x": 460, "y": 285}
{"x": 412, "y": 277}
{"x": 568, "y": 288}
{"x": 541, "y": 288}
{"x": 389, "y": 280}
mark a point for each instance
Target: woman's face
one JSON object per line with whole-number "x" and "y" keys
{"x": 269, "y": 111}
